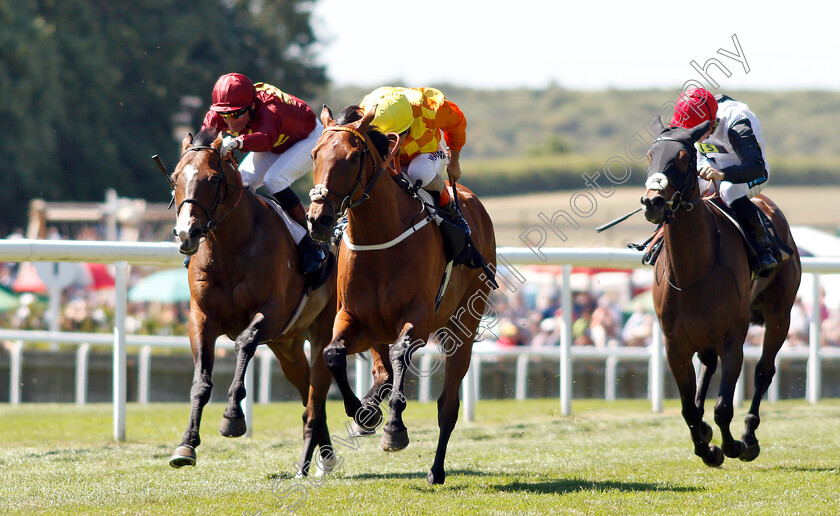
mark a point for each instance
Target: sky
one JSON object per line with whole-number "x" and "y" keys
{"x": 585, "y": 44}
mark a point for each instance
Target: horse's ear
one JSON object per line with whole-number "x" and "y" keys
{"x": 217, "y": 143}
{"x": 187, "y": 142}
{"x": 656, "y": 125}
{"x": 326, "y": 116}
{"x": 698, "y": 131}
{"x": 367, "y": 118}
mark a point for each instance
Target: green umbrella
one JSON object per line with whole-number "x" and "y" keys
{"x": 8, "y": 301}
{"x": 167, "y": 286}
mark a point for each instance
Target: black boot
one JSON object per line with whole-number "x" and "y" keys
{"x": 311, "y": 255}
{"x": 750, "y": 219}
{"x": 455, "y": 215}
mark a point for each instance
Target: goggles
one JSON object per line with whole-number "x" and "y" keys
{"x": 239, "y": 113}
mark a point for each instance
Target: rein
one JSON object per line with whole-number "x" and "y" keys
{"x": 320, "y": 192}
{"x": 218, "y": 200}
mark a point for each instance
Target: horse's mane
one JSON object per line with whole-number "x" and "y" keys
{"x": 205, "y": 137}
{"x": 354, "y": 113}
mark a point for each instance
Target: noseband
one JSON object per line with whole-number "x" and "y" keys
{"x": 217, "y": 200}
{"x": 320, "y": 192}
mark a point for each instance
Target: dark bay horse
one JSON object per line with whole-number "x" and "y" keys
{"x": 386, "y": 296}
{"x": 245, "y": 283}
{"x": 704, "y": 296}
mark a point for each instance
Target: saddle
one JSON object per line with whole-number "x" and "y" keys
{"x": 314, "y": 280}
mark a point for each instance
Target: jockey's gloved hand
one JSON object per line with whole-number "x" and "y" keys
{"x": 229, "y": 143}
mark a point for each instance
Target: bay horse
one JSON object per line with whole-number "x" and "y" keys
{"x": 704, "y": 294}
{"x": 386, "y": 295}
{"x": 245, "y": 283}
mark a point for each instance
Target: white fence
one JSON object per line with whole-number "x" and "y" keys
{"x": 123, "y": 254}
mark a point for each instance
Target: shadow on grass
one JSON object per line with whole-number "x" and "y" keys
{"x": 805, "y": 469}
{"x": 571, "y": 485}
{"x": 418, "y": 474}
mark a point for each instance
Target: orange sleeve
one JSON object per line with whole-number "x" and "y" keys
{"x": 452, "y": 122}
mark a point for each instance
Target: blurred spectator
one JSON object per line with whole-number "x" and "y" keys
{"x": 638, "y": 329}
{"x": 830, "y": 330}
{"x": 605, "y": 328}
{"x": 510, "y": 335}
{"x": 581, "y": 335}
{"x": 549, "y": 334}
{"x": 799, "y": 322}
{"x": 755, "y": 335}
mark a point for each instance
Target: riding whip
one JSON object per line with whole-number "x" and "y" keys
{"x": 620, "y": 219}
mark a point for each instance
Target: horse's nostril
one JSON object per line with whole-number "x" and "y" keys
{"x": 194, "y": 233}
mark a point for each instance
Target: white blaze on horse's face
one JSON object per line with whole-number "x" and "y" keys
{"x": 657, "y": 182}
{"x": 182, "y": 224}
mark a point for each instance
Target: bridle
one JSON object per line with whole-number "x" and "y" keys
{"x": 218, "y": 199}
{"x": 677, "y": 201}
{"x": 320, "y": 192}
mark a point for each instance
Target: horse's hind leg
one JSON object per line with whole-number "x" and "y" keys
{"x": 731, "y": 360}
{"x": 383, "y": 373}
{"x": 457, "y": 346}
{"x": 683, "y": 371}
{"x": 708, "y": 361}
{"x": 394, "y": 433}
{"x": 233, "y": 420}
{"x": 776, "y": 329}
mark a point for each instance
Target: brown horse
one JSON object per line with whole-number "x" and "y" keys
{"x": 245, "y": 283}
{"x": 386, "y": 297}
{"x": 704, "y": 294}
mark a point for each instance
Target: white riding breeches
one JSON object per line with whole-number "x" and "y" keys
{"x": 731, "y": 191}
{"x": 425, "y": 166}
{"x": 279, "y": 171}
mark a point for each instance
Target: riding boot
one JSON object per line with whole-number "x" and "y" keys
{"x": 444, "y": 201}
{"x": 311, "y": 255}
{"x": 456, "y": 217}
{"x": 750, "y": 219}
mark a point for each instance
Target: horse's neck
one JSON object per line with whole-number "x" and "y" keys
{"x": 692, "y": 245}
{"x": 384, "y": 216}
{"x": 238, "y": 222}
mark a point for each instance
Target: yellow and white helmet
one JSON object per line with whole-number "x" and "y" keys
{"x": 394, "y": 113}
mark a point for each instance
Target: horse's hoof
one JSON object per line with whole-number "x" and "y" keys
{"x": 749, "y": 452}
{"x": 708, "y": 433}
{"x": 183, "y": 456}
{"x": 436, "y": 478}
{"x": 392, "y": 442}
{"x": 734, "y": 449}
{"x": 714, "y": 459}
{"x": 359, "y": 431}
{"x": 233, "y": 427}
{"x": 368, "y": 417}
{"x": 324, "y": 467}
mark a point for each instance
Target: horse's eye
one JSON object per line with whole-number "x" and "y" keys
{"x": 649, "y": 156}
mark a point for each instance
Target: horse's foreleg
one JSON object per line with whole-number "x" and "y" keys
{"x": 776, "y": 329}
{"x": 203, "y": 346}
{"x": 315, "y": 431}
{"x": 683, "y": 372}
{"x": 233, "y": 420}
{"x": 394, "y": 433}
{"x": 335, "y": 357}
{"x": 708, "y": 359}
{"x": 731, "y": 361}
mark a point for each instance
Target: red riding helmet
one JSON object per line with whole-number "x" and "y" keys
{"x": 694, "y": 107}
{"x": 233, "y": 91}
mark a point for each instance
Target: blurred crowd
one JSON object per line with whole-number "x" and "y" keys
{"x": 531, "y": 315}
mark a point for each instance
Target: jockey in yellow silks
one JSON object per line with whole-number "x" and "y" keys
{"x": 421, "y": 116}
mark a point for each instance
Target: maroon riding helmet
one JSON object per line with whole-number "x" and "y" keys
{"x": 233, "y": 92}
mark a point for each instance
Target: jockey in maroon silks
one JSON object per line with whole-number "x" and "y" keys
{"x": 278, "y": 131}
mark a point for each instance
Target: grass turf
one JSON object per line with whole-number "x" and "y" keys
{"x": 517, "y": 457}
